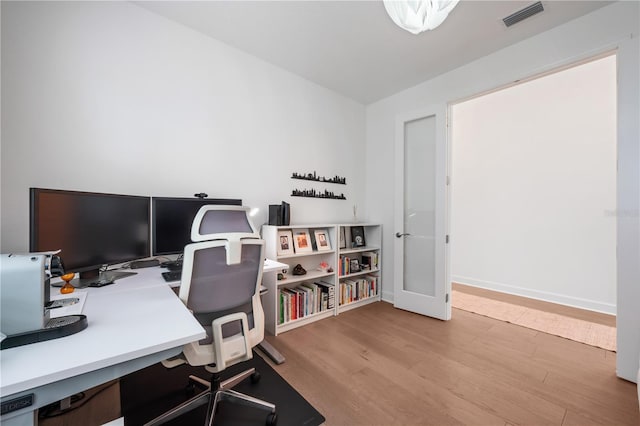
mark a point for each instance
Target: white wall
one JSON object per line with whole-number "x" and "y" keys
{"x": 109, "y": 97}
{"x": 612, "y": 27}
{"x": 534, "y": 188}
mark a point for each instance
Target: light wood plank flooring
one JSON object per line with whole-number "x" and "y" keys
{"x": 382, "y": 366}
{"x": 378, "y": 365}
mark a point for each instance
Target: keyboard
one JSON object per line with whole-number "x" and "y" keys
{"x": 172, "y": 276}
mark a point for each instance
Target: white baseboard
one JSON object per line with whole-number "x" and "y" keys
{"x": 576, "y": 302}
{"x": 387, "y": 296}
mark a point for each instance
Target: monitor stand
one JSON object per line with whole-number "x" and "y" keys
{"x": 95, "y": 279}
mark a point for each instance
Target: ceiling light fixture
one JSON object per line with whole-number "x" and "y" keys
{"x": 417, "y": 16}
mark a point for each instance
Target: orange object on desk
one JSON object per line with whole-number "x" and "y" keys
{"x": 67, "y": 287}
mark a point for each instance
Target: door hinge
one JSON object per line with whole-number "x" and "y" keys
{"x": 446, "y": 239}
{"x": 446, "y": 298}
{"x": 447, "y": 181}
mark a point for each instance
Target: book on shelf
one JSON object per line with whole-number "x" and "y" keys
{"x": 330, "y": 291}
{"x": 305, "y": 299}
{"x": 370, "y": 258}
{"x": 352, "y": 290}
{"x": 313, "y": 299}
{"x": 306, "y": 307}
{"x": 345, "y": 263}
{"x": 291, "y": 304}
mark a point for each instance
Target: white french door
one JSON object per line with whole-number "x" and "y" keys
{"x": 421, "y": 282}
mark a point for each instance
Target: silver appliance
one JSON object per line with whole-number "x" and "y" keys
{"x": 24, "y": 300}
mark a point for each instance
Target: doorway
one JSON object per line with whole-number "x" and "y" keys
{"x": 533, "y": 190}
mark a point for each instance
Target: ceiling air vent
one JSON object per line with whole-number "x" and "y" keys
{"x": 523, "y": 14}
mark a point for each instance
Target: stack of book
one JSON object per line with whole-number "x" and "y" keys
{"x": 352, "y": 290}
{"x": 370, "y": 258}
{"x": 304, "y": 300}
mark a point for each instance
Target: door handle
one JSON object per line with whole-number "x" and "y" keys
{"x": 398, "y": 235}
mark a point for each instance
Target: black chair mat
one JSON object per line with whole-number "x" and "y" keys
{"x": 150, "y": 392}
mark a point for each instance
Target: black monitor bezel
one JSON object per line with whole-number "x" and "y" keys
{"x": 202, "y": 201}
{"x": 85, "y": 269}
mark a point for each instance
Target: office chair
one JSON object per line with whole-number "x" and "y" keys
{"x": 221, "y": 279}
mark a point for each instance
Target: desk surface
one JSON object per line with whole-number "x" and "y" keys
{"x": 134, "y": 317}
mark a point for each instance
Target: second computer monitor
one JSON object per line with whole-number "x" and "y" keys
{"x": 172, "y": 219}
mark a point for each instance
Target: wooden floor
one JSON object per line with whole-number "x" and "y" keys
{"x": 382, "y": 366}
{"x": 378, "y": 365}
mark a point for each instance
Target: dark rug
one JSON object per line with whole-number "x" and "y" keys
{"x": 150, "y": 392}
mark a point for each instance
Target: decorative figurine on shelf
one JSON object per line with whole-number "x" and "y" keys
{"x": 299, "y": 270}
{"x": 67, "y": 287}
{"x": 323, "y": 266}
{"x": 282, "y": 275}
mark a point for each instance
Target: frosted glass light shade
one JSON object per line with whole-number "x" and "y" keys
{"x": 417, "y": 16}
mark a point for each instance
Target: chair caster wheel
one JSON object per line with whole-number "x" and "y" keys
{"x": 190, "y": 389}
{"x": 272, "y": 419}
{"x": 255, "y": 377}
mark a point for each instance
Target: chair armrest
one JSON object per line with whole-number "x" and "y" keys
{"x": 234, "y": 348}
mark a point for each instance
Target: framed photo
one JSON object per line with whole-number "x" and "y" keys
{"x": 343, "y": 239}
{"x": 285, "y": 242}
{"x": 322, "y": 239}
{"x": 302, "y": 241}
{"x": 357, "y": 236}
{"x": 354, "y": 266}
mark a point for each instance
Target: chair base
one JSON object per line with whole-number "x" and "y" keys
{"x": 211, "y": 397}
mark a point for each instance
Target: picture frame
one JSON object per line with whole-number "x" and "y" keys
{"x": 354, "y": 266}
{"x": 285, "y": 242}
{"x": 322, "y": 239}
{"x": 357, "y": 236}
{"x": 302, "y": 241}
{"x": 343, "y": 239}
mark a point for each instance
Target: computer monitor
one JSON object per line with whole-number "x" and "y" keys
{"x": 172, "y": 219}
{"x": 91, "y": 229}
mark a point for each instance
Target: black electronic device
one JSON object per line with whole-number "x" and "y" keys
{"x": 172, "y": 276}
{"x": 172, "y": 219}
{"x": 174, "y": 266}
{"x": 286, "y": 213}
{"x": 91, "y": 230}
{"x": 279, "y": 214}
{"x": 147, "y": 263}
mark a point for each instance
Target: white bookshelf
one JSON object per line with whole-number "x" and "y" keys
{"x": 372, "y": 245}
{"x": 311, "y": 261}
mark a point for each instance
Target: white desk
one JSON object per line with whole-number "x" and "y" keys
{"x": 133, "y": 323}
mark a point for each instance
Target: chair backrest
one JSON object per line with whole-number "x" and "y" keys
{"x": 211, "y": 284}
{"x": 213, "y": 222}
{"x": 222, "y": 272}
{"x": 230, "y": 223}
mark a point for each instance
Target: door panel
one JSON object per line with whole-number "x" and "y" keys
{"x": 421, "y": 283}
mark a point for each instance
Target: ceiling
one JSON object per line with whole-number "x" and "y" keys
{"x": 353, "y": 47}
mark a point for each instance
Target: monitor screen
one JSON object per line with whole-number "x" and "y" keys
{"x": 91, "y": 229}
{"x": 172, "y": 219}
